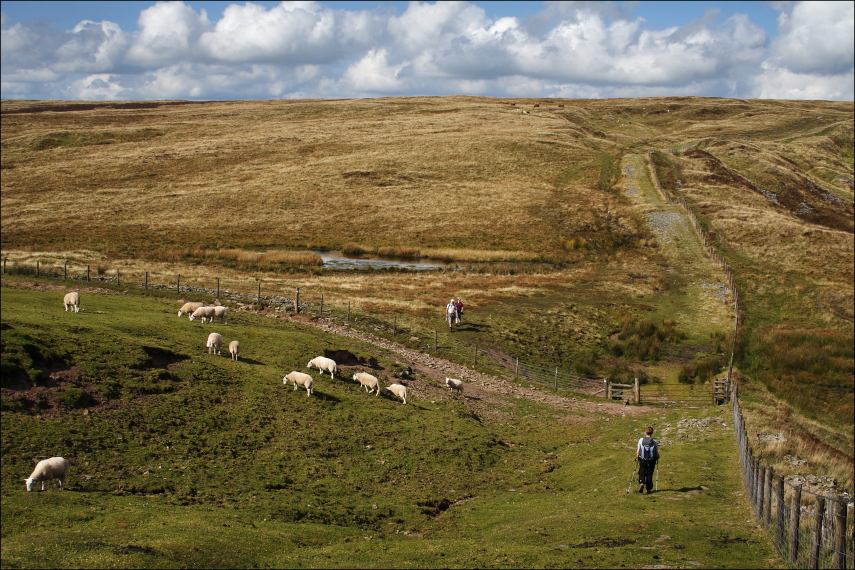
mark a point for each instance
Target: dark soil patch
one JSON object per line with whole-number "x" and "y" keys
{"x": 606, "y": 543}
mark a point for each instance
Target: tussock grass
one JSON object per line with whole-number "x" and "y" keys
{"x": 269, "y": 258}
{"x": 479, "y": 255}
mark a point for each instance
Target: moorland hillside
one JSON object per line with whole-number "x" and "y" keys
{"x": 546, "y": 205}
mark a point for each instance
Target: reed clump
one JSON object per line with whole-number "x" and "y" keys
{"x": 270, "y": 257}
{"x": 480, "y": 255}
{"x": 402, "y": 252}
{"x": 642, "y": 339}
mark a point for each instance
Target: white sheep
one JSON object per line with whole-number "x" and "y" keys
{"x": 222, "y": 312}
{"x": 323, "y": 363}
{"x": 72, "y": 300}
{"x": 204, "y": 313}
{"x": 48, "y": 470}
{"x": 215, "y": 341}
{"x": 188, "y": 308}
{"x": 399, "y": 390}
{"x": 234, "y": 349}
{"x": 367, "y": 381}
{"x": 300, "y": 379}
{"x": 454, "y": 384}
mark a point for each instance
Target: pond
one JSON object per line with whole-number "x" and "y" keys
{"x": 337, "y": 260}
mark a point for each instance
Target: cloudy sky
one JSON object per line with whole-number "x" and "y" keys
{"x": 271, "y": 50}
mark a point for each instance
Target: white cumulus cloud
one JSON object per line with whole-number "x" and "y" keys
{"x": 307, "y": 49}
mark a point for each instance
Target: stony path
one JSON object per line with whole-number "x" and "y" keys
{"x": 705, "y": 283}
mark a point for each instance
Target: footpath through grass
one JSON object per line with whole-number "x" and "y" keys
{"x": 180, "y": 458}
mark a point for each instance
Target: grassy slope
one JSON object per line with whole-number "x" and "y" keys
{"x": 215, "y": 464}
{"x": 473, "y": 173}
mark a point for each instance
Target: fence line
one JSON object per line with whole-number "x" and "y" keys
{"x": 471, "y": 354}
{"x": 808, "y": 530}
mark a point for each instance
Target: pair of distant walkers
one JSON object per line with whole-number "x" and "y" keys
{"x": 646, "y": 453}
{"x": 453, "y": 312}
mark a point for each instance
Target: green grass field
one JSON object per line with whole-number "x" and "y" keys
{"x": 193, "y": 460}
{"x": 564, "y": 252}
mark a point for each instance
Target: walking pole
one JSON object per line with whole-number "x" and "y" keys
{"x": 656, "y": 467}
{"x": 631, "y": 477}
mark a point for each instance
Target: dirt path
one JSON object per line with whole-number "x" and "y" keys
{"x": 482, "y": 391}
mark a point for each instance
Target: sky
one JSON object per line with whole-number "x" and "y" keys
{"x": 142, "y": 50}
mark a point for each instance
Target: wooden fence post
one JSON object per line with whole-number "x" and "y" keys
{"x": 761, "y": 488}
{"x": 840, "y": 533}
{"x": 517, "y": 368}
{"x": 87, "y": 273}
{"x": 781, "y": 510}
{"x": 475, "y": 356}
{"x": 297, "y": 301}
{"x": 816, "y": 535}
{"x": 394, "y": 322}
{"x": 258, "y": 294}
{"x": 348, "y": 310}
{"x": 178, "y": 283}
{"x": 37, "y": 269}
{"x": 608, "y": 389}
{"x": 145, "y": 283}
{"x": 321, "y": 311}
{"x": 434, "y": 340}
{"x": 767, "y": 508}
{"x": 636, "y": 393}
{"x": 795, "y": 515}
{"x": 64, "y": 271}
{"x": 218, "y": 287}
{"x": 5, "y": 259}
{"x": 118, "y": 281}
{"x": 556, "y": 379}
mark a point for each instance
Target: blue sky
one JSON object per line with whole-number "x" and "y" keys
{"x": 268, "y": 50}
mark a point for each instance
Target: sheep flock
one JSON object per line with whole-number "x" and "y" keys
{"x": 56, "y": 468}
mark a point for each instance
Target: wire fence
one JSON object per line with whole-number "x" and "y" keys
{"x": 449, "y": 345}
{"x": 809, "y": 530}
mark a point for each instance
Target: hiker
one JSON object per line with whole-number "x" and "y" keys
{"x": 451, "y": 314}
{"x": 458, "y": 306}
{"x": 647, "y": 453}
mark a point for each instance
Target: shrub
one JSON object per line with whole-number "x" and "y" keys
{"x": 702, "y": 370}
{"x": 12, "y": 405}
{"x": 641, "y": 339}
{"x": 73, "y": 398}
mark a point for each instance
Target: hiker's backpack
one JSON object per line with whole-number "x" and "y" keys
{"x": 648, "y": 449}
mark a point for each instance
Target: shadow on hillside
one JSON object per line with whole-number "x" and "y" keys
{"x": 325, "y": 397}
{"x": 471, "y": 327}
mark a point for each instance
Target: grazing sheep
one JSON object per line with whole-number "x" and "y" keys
{"x": 215, "y": 341}
{"x": 399, "y": 390}
{"x": 323, "y": 363}
{"x": 454, "y": 384}
{"x": 367, "y": 381}
{"x": 234, "y": 349}
{"x": 222, "y": 312}
{"x": 300, "y": 379}
{"x": 72, "y": 300}
{"x": 204, "y": 313}
{"x": 188, "y": 308}
{"x": 48, "y": 470}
